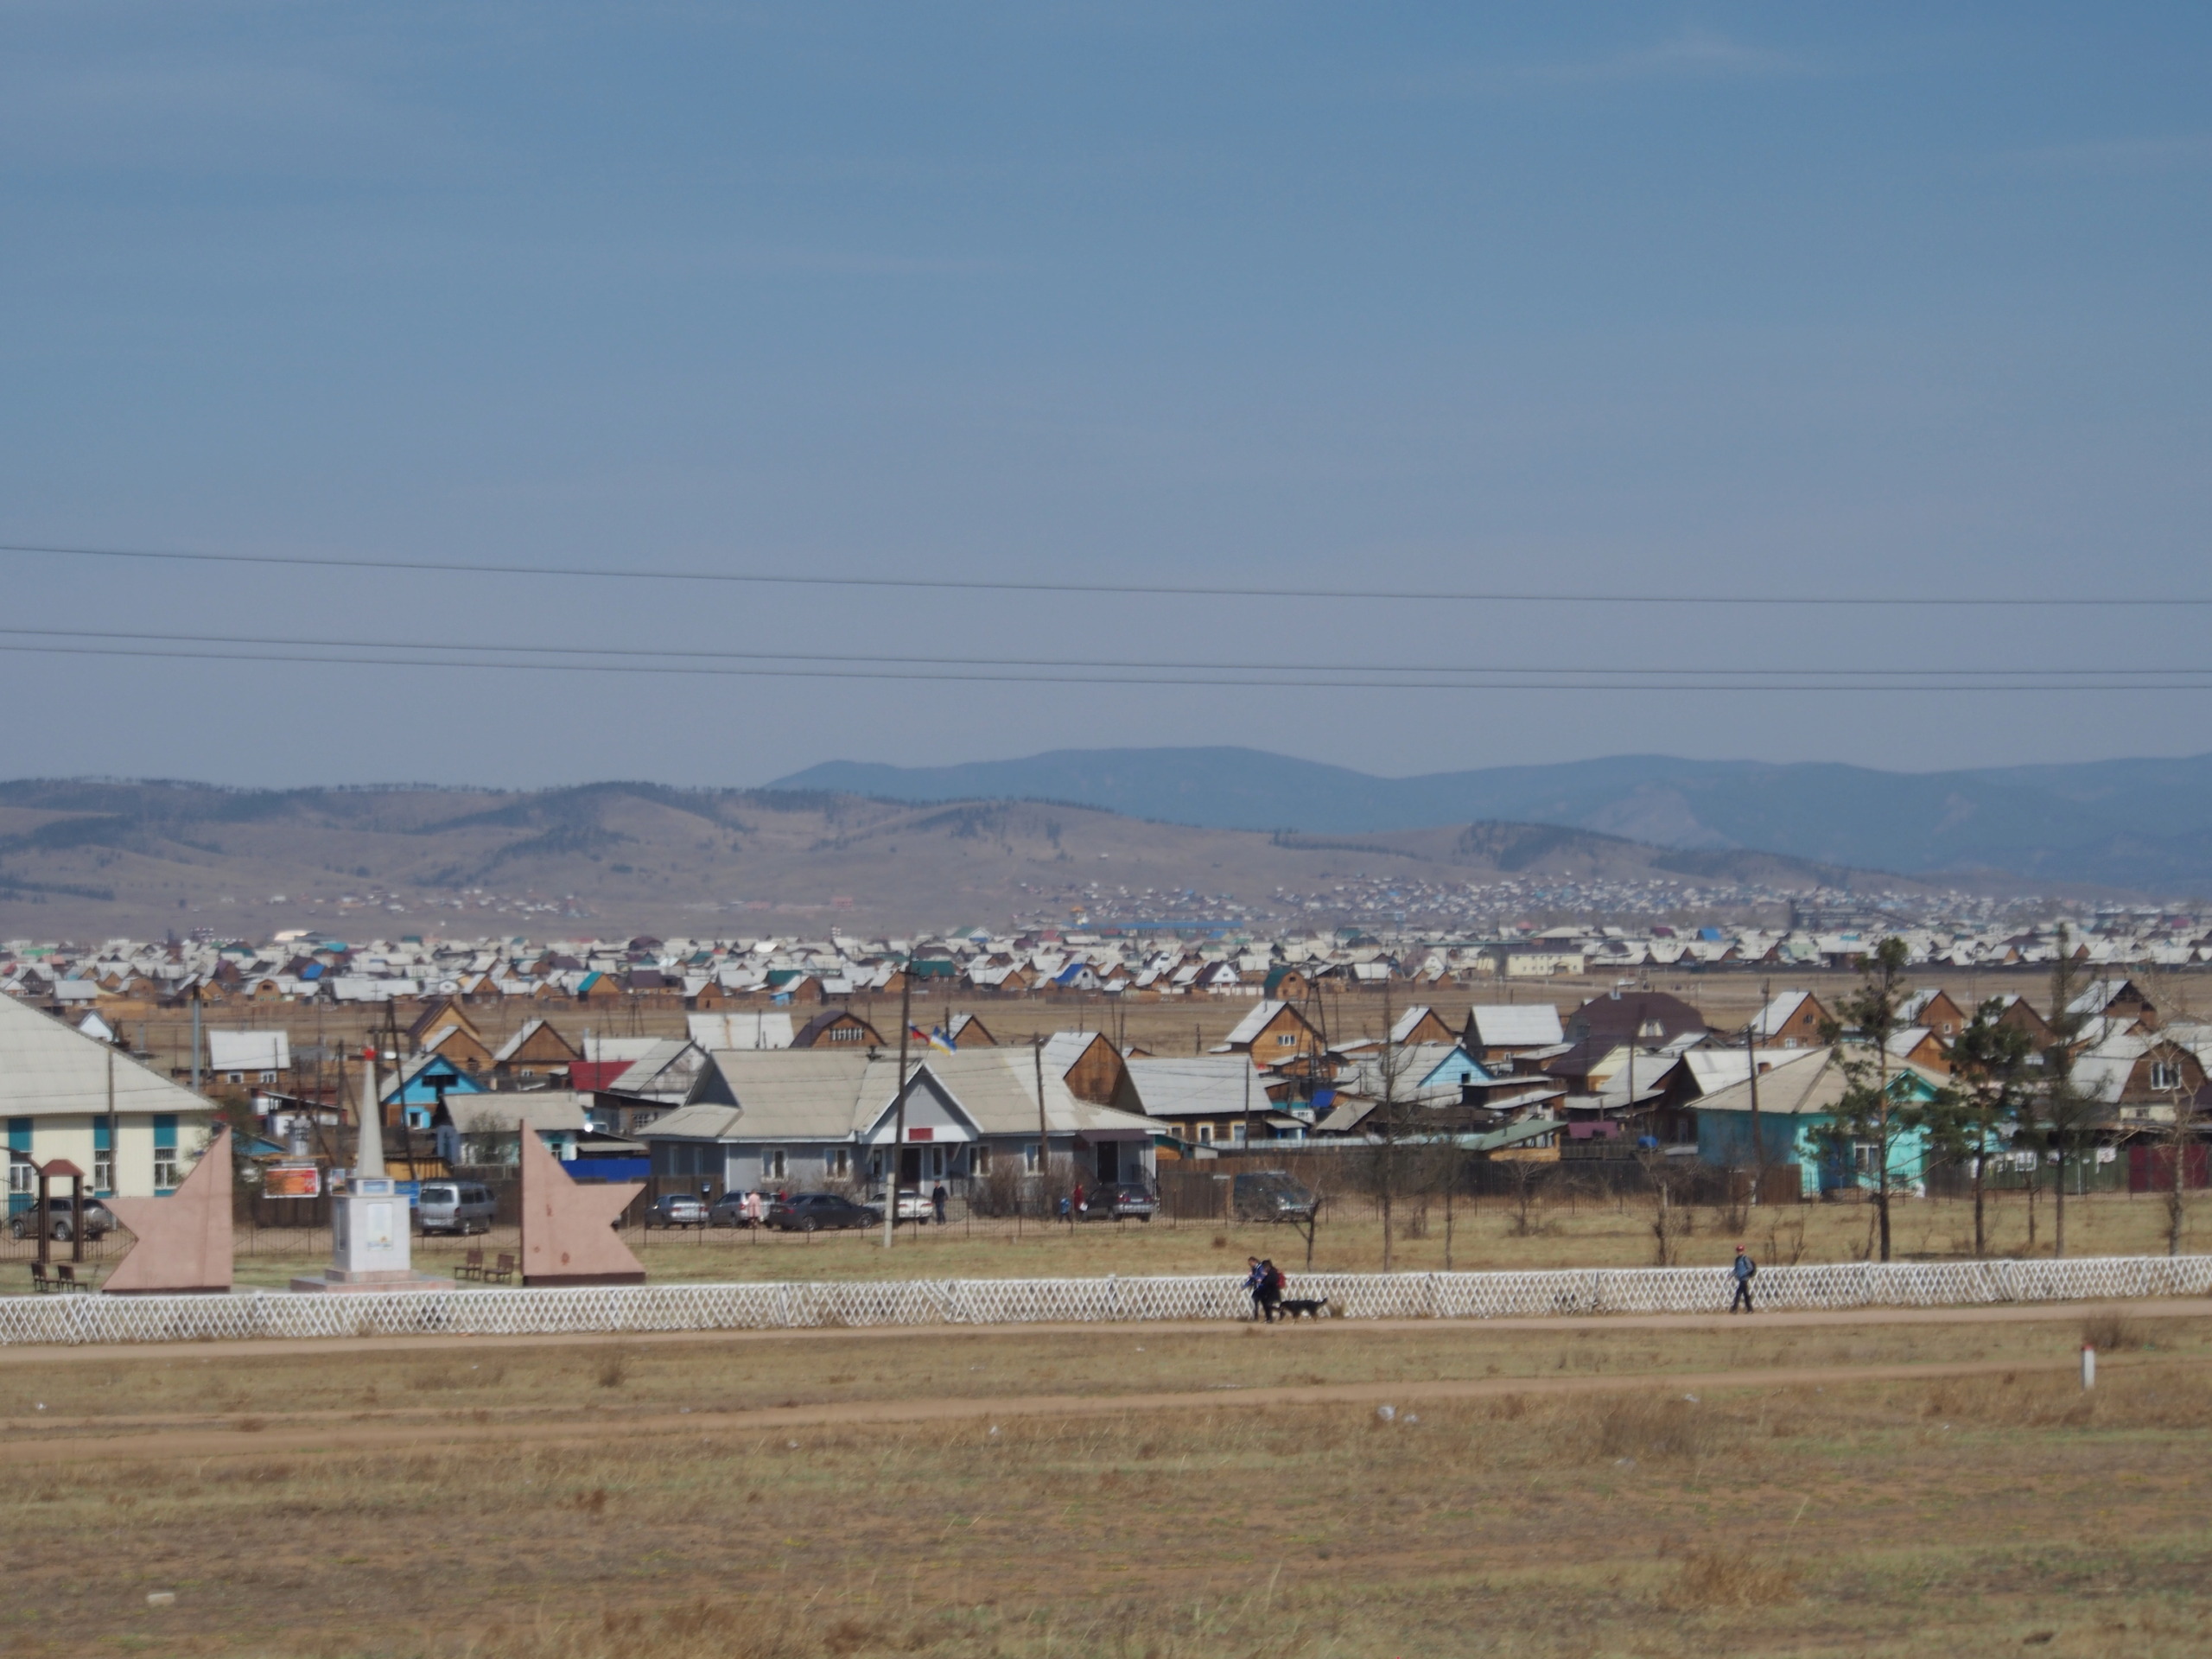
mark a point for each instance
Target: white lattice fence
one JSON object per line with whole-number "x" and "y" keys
{"x": 495, "y": 1312}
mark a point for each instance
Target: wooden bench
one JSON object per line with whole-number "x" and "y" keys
{"x": 502, "y": 1274}
{"x": 472, "y": 1266}
{"x": 57, "y": 1276}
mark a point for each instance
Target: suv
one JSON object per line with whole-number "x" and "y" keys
{"x": 1118, "y": 1201}
{"x": 813, "y": 1212}
{"x": 1271, "y": 1195}
{"x": 734, "y": 1209}
{"x": 99, "y": 1219}
{"x": 677, "y": 1210}
{"x": 454, "y": 1207}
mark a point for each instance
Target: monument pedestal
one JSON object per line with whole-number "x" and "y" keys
{"x": 370, "y": 1245}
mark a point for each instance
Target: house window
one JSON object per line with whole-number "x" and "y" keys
{"x": 1238, "y": 1132}
{"x": 164, "y": 1152}
{"x": 979, "y": 1161}
{"x": 1206, "y": 1134}
{"x": 936, "y": 1163}
{"x": 845, "y": 1034}
{"x": 1867, "y": 1157}
{"x": 2164, "y": 1074}
{"x": 1284, "y": 1038}
{"x": 840, "y": 1163}
{"x": 772, "y": 1164}
{"x": 103, "y": 1157}
{"x": 1029, "y": 1158}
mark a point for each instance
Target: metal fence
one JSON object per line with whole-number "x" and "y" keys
{"x": 611, "y": 1310}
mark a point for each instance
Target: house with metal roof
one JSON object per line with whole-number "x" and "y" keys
{"x": 1800, "y": 1101}
{"x": 67, "y": 1094}
{"x": 800, "y": 1118}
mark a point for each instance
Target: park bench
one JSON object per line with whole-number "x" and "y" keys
{"x": 56, "y": 1277}
{"x": 502, "y": 1274}
{"x": 472, "y": 1266}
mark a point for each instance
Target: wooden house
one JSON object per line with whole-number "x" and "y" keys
{"x": 536, "y": 1051}
{"x": 966, "y": 1031}
{"x": 1092, "y": 1068}
{"x": 837, "y": 1028}
{"x": 1275, "y": 1034}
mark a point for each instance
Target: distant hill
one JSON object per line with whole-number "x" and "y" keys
{"x": 2141, "y": 824}
{"x": 100, "y": 859}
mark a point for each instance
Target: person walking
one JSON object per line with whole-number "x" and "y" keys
{"x": 1082, "y": 1204}
{"x": 1271, "y": 1283}
{"x": 1744, "y": 1269}
{"x": 938, "y": 1197}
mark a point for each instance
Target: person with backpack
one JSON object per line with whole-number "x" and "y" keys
{"x": 1744, "y": 1269}
{"x": 1270, "y": 1294}
{"x": 1255, "y": 1284}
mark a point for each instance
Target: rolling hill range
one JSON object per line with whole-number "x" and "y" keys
{"x": 2144, "y": 825}
{"x": 80, "y": 859}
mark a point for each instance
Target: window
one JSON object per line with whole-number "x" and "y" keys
{"x": 103, "y": 1157}
{"x": 165, "y": 1176}
{"x": 844, "y": 1033}
{"x": 1284, "y": 1038}
{"x": 936, "y": 1163}
{"x": 2164, "y": 1074}
{"x": 840, "y": 1163}
{"x": 1867, "y": 1157}
{"x": 772, "y": 1164}
{"x": 1206, "y": 1134}
{"x": 979, "y": 1159}
{"x": 1029, "y": 1158}
{"x": 1238, "y": 1132}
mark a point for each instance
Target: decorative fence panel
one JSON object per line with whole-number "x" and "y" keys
{"x": 614, "y": 1309}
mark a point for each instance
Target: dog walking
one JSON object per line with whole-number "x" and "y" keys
{"x": 1744, "y": 1269}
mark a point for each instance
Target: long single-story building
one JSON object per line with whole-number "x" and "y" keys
{"x": 57, "y": 1098}
{"x": 804, "y": 1118}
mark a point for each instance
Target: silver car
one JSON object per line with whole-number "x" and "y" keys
{"x": 455, "y": 1207}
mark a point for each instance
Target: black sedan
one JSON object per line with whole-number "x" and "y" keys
{"x": 818, "y": 1212}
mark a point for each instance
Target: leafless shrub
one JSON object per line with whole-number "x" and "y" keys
{"x": 614, "y": 1368}
{"x": 2109, "y": 1331}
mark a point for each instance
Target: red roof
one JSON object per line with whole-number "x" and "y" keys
{"x": 596, "y": 1074}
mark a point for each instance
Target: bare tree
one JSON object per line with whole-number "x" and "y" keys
{"x": 1867, "y": 1115}
{"x": 2067, "y": 1114}
{"x": 1991, "y": 1065}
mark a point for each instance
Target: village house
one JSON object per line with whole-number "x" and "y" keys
{"x": 837, "y": 1028}
{"x": 54, "y": 1094}
{"x": 797, "y": 1120}
{"x": 1799, "y": 1101}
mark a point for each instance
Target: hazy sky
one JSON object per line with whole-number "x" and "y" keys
{"x": 1898, "y": 299}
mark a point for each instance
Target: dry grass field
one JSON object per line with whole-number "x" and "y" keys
{"x": 1484, "y": 1234}
{"x": 1815, "y": 1484}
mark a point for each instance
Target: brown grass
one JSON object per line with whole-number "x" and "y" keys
{"x": 1954, "y": 1516}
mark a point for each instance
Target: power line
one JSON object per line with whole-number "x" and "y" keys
{"x": 972, "y": 677}
{"x": 1258, "y": 589}
{"x": 1295, "y": 675}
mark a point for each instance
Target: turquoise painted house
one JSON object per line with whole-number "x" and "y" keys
{"x": 1798, "y": 1097}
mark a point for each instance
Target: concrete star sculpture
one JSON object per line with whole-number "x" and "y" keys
{"x": 568, "y": 1233}
{"x": 183, "y": 1241}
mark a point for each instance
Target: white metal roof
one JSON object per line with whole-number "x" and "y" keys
{"x": 1515, "y": 1024}
{"x": 48, "y": 1069}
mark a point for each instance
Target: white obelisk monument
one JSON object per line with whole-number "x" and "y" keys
{"x": 372, "y": 1240}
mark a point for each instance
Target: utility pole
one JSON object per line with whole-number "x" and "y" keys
{"x": 1044, "y": 1144}
{"x": 196, "y": 1040}
{"x": 899, "y": 1107}
{"x": 1751, "y": 1059}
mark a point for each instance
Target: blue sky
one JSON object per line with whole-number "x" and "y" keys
{"x": 1892, "y": 299}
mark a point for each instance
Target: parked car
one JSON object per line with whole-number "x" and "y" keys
{"x": 730, "y": 1210}
{"x": 677, "y": 1210}
{"x": 912, "y": 1205}
{"x": 99, "y": 1220}
{"x": 814, "y": 1212}
{"x": 1271, "y": 1195}
{"x": 461, "y": 1207}
{"x": 1120, "y": 1201}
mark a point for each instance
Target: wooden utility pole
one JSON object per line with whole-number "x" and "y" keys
{"x": 899, "y": 1107}
{"x": 1751, "y": 1056}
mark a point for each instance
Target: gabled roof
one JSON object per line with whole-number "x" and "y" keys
{"x": 1213, "y": 1085}
{"x": 741, "y": 1029}
{"x": 1778, "y": 1012}
{"x": 1811, "y": 1084}
{"x": 1515, "y": 1024}
{"x": 831, "y": 1095}
{"x": 1248, "y": 1028}
{"x": 47, "y": 1068}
